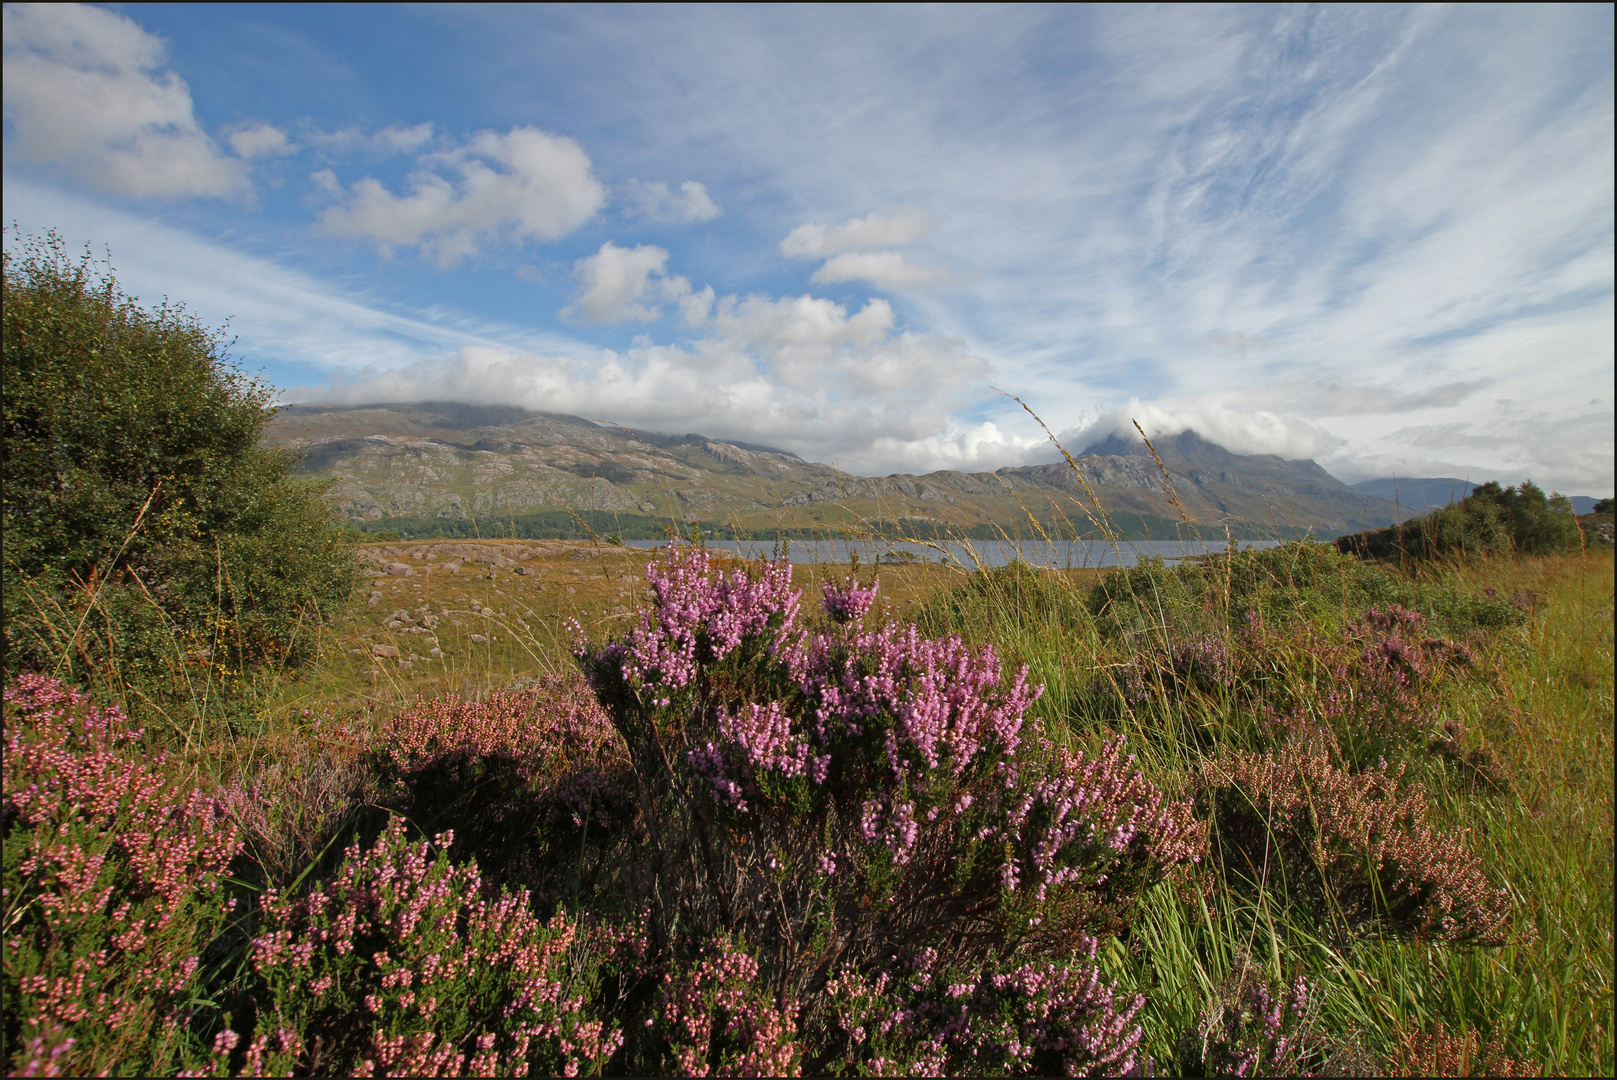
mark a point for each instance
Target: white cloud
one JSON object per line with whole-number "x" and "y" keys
{"x": 387, "y": 142}
{"x": 654, "y": 201}
{"x": 631, "y": 285}
{"x": 526, "y": 184}
{"x": 811, "y": 241}
{"x": 1258, "y": 431}
{"x": 613, "y": 282}
{"x": 86, "y": 89}
{"x": 729, "y": 389}
{"x": 884, "y": 269}
{"x": 259, "y": 141}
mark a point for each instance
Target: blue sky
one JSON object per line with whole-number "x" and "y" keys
{"x": 1378, "y": 236}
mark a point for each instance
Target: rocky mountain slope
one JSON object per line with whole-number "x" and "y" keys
{"x": 447, "y": 462}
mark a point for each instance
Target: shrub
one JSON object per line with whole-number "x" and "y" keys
{"x": 112, "y": 889}
{"x": 150, "y": 541}
{"x": 718, "y": 1021}
{"x": 532, "y": 783}
{"x": 1042, "y": 1018}
{"x": 1293, "y": 583}
{"x": 401, "y": 964}
{"x": 1441, "y": 1052}
{"x": 1355, "y": 851}
{"x": 843, "y": 798}
{"x": 1492, "y": 520}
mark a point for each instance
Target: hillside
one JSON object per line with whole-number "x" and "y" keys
{"x": 454, "y": 465}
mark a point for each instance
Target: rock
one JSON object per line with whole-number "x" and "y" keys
{"x": 437, "y": 654}
{"x": 449, "y": 568}
{"x": 398, "y": 569}
{"x": 384, "y": 651}
{"x": 523, "y": 570}
{"x": 375, "y": 598}
{"x": 479, "y": 638}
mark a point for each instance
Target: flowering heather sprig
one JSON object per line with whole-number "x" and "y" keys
{"x": 718, "y": 1019}
{"x": 698, "y": 616}
{"x": 1252, "y": 1028}
{"x": 402, "y": 964}
{"x": 1357, "y": 844}
{"x": 1462, "y": 1053}
{"x": 1039, "y": 1018}
{"x": 1075, "y": 824}
{"x": 847, "y": 603}
{"x": 113, "y": 871}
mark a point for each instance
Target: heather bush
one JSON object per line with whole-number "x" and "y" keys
{"x": 843, "y": 798}
{"x": 1441, "y": 1052}
{"x": 1302, "y": 582}
{"x": 1371, "y": 691}
{"x": 1355, "y": 851}
{"x": 1039, "y": 1018}
{"x": 404, "y": 963}
{"x": 533, "y": 783}
{"x": 112, "y": 890}
{"x": 716, "y": 1019}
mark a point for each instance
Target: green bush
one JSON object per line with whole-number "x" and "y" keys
{"x": 151, "y": 545}
{"x": 1492, "y": 520}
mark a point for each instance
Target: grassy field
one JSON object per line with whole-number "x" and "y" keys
{"x": 1539, "y": 703}
{"x": 1513, "y": 752}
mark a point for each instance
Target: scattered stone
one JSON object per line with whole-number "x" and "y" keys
{"x": 571, "y": 589}
{"x": 384, "y": 651}
{"x": 449, "y": 568}
{"x": 404, "y": 665}
{"x": 436, "y": 654}
{"x": 356, "y": 652}
{"x": 523, "y": 570}
{"x": 479, "y": 638}
{"x": 375, "y": 598}
{"x": 398, "y": 569}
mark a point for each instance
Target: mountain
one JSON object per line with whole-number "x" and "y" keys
{"x": 449, "y": 466}
{"x": 1418, "y": 494}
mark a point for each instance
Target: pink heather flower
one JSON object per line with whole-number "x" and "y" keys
{"x": 848, "y": 602}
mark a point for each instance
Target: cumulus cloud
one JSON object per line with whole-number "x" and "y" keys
{"x": 86, "y": 89}
{"x": 655, "y": 202}
{"x": 525, "y": 184}
{"x": 886, "y": 269}
{"x": 1240, "y": 432}
{"x": 877, "y": 230}
{"x": 615, "y": 285}
{"x": 260, "y": 141}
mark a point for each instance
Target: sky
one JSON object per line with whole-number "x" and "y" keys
{"x": 1378, "y": 236}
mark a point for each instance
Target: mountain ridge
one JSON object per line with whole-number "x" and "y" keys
{"x": 446, "y": 461}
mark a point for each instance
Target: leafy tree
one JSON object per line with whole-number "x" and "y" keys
{"x": 152, "y": 547}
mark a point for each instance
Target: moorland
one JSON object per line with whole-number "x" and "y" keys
{"x": 277, "y": 800}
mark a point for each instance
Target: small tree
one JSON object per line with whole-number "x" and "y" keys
{"x": 151, "y": 546}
